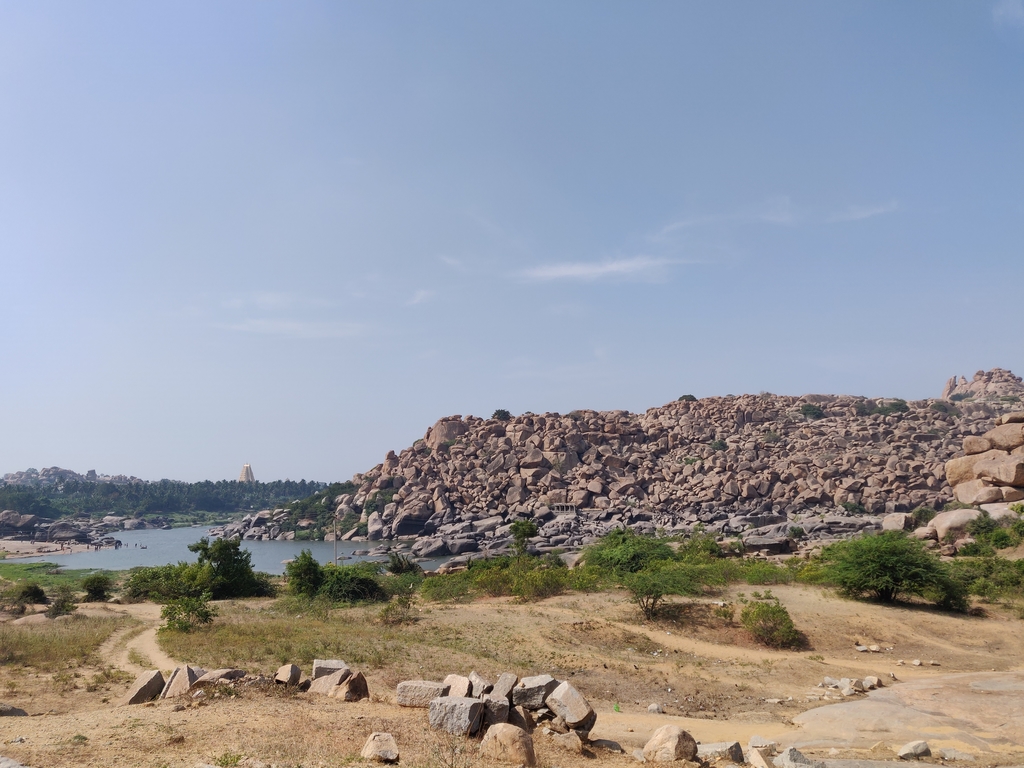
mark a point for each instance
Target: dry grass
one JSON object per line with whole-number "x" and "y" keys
{"x": 264, "y": 637}
{"x": 56, "y": 645}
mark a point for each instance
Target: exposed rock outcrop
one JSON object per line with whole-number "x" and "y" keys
{"x": 992, "y": 469}
{"x": 754, "y": 466}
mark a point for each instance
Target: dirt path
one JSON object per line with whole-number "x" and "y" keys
{"x": 132, "y": 649}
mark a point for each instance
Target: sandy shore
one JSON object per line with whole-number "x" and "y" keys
{"x": 14, "y": 549}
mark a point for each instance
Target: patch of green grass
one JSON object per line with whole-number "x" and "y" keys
{"x": 46, "y": 575}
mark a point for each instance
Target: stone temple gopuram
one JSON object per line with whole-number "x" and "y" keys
{"x": 246, "y": 476}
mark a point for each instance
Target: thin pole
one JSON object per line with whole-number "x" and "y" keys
{"x": 335, "y": 537}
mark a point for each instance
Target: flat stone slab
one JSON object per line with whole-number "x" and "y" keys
{"x": 961, "y": 707}
{"x": 419, "y": 693}
{"x": 216, "y": 675}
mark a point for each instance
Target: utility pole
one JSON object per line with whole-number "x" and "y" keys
{"x": 335, "y": 537}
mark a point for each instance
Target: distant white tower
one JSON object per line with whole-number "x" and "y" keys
{"x": 247, "y": 475}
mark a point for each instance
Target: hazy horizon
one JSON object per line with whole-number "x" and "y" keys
{"x": 295, "y": 235}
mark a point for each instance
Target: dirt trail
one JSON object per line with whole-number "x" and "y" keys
{"x": 117, "y": 651}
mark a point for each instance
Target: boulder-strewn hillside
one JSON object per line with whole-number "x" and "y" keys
{"x": 754, "y": 465}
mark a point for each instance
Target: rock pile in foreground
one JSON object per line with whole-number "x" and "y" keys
{"x": 331, "y": 678}
{"x": 463, "y": 705}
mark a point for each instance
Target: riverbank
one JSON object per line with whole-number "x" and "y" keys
{"x": 12, "y": 548}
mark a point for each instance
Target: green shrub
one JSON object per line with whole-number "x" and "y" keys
{"x": 223, "y": 569}
{"x": 762, "y": 572}
{"x": 231, "y": 573}
{"x": 895, "y": 406}
{"x": 501, "y": 415}
{"x": 989, "y": 577}
{"x": 403, "y": 584}
{"x": 889, "y": 566}
{"x": 698, "y": 546}
{"x": 494, "y": 582}
{"x": 718, "y": 445}
{"x": 97, "y": 587}
{"x": 854, "y": 508}
{"x": 397, "y": 611}
{"x": 649, "y": 587}
{"x": 885, "y": 409}
{"x": 586, "y": 578}
{"x": 352, "y": 583}
{"x": 62, "y": 601}
{"x": 623, "y": 551}
{"x": 399, "y": 564}
{"x": 28, "y": 593}
{"x": 769, "y": 622}
{"x": 922, "y": 516}
{"x": 448, "y": 587}
{"x": 541, "y": 583}
{"x": 811, "y": 411}
{"x": 305, "y": 574}
{"x": 167, "y": 582}
{"x": 1002, "y": 539}
{"x": 796, "y": 532}
{"x": 982, "y": 526}
{"x": 687, "y": 399}
{"x": 522, "y": 531}
{"x": 187, "y": 613}
{"x": 976, "y": 549}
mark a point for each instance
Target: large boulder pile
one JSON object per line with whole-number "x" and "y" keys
{"x": 986, "y": 385}
{"x": 753, "y": 465}
{"x": 992, "y": 467}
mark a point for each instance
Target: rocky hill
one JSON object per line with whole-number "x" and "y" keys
{"x": 48, "y": 476}
{"x": 754, "y": 466}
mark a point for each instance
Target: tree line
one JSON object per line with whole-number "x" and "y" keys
{"x": 168, "y": 497}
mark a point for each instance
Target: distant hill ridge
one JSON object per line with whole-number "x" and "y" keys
{"x": 751, "y": 465}
{"x": 55, "y": 475}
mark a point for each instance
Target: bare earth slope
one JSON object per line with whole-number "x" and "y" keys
{"x": 704, "y": 671}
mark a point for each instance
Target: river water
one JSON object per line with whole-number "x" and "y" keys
{"x": 157, "y": 547}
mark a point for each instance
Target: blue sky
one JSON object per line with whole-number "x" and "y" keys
{"x": 295, "y": 234}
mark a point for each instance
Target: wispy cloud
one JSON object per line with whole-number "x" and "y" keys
{"x": 776, "y": 210}
{"x": 297, "y": 329}
{"x": 859, "y": 212}
{"x": 595, "y": 270}
{"x": 261, "y": 300}
{"x": 419, "y": 297}
{"x": 1008, "y": 13}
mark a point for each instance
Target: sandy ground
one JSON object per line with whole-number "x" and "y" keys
{"x": 704, "y": 671}
{"x": 15, "y": 549}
